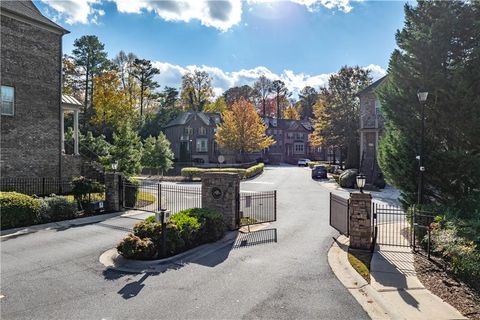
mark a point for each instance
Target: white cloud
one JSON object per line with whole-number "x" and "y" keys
{"x": 76, "y": 11}
{"x": 220, "y": 14}
{"x": 171, "y": 75}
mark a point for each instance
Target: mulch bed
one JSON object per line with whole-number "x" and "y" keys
{"x": 459, "y": 295}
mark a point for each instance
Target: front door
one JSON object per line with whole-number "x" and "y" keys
{"x": 184, "y": 152}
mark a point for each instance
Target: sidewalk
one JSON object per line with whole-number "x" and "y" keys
{"x": 394, "y": 291}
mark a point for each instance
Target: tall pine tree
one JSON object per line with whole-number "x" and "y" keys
{"x": 439, "y": 53}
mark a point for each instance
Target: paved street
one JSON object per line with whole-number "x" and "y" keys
{"x": 55, "y": 274}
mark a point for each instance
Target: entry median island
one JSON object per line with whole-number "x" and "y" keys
{"x": 185, "y": 230}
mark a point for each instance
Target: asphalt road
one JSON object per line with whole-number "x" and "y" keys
{"x": 55, "y": 274}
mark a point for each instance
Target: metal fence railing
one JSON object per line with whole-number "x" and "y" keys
{"x": 153, "y": 196}
{"x": 36, "y": 186}
{"x": 257, "y": 207}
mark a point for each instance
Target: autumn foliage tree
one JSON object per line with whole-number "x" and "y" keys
{"x": 111, "y": 105}
{"x": 242, "y": 129}
{"x": 291, "y": 113}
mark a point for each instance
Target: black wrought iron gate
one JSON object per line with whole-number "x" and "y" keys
{"x": 257, "y": 207}
{"x": 392, "y": 225}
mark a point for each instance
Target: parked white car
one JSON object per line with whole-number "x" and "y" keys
{"x": 303, "y": 162}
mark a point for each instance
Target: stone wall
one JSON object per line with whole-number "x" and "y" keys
{"x": 221, "y": 192}
{"x": 112, "y": 191}
{"x": 71, "y": 166}
{"x": 31, "y": 63}
{"x": 360, "y": 221}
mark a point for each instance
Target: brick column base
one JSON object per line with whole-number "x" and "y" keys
{"x": 360, "y": 221}
{"x": 112, "y": 191}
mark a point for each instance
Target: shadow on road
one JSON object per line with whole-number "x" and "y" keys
{"x": 255, "y": 238}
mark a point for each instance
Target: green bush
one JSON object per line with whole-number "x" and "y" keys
{"x": 133, "y": 247}
{"x": 131, "y": 192}
{"x": 212, "y": 224}
{"x": 18, "y": 210}
{"x": 58, "y": 209}
{"x": 83, "y": 187}
{"x": 348, "y": 178}
{"x": 186, "y": 229}
{"x": 196, "y": 173}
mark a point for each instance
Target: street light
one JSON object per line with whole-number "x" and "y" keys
{"x": 361, "y": 179}
{"x": 114, "y": 166}
{"x": 422, "y": 98}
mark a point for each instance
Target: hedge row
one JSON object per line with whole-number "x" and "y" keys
{"x": 196, "y": 173}
{"x": 21, "y": 210}
{"x": 186, "y": 229}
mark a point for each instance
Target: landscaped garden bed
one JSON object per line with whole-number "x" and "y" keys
{"x": 185, "y": 230}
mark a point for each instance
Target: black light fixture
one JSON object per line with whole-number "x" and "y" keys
{"x": 361, "y": 179}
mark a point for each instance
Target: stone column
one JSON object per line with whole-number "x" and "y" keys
{"x": 112, "y": 191}
{"x": 62, "y": 130}
{"x": 221, "y": 192}
{"x": 360, "y": 220}
{"x": 75, "y": 132}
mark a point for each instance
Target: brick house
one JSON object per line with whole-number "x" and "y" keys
{"x": 192, "y": 137}
{"x": 31, "y": 105}
{"x": 291, "y": 141}
{"x": 371, "y": 130}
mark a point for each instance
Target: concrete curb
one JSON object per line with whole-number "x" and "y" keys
{"x": 112, "y": 260}
{"x": 359, "y": 288}
{"x": 16, "y": 232}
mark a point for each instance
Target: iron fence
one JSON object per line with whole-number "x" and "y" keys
{"x": 392, "y": 225}
{"x": 153, "y": 196}
{"x": 257, "y": 207}
{"x": 36, "y": 186}
{"x": 339, "y": 216}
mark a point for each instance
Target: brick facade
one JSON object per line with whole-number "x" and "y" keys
{"x": 360, "y": 221}
{"x": 31, "y": 64}
{"x": 371, "y": 130}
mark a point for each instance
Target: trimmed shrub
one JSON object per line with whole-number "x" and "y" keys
{"x": 58, "y": 209}
{"x": 196, "y": 173}
{"x": 348, "y": 178}
{"x": 213, "y": 225}
{"x": 18, "y": 210}
{"x": 188, "y": 227}
{"x": 131, "y": 192}
{"x": 133, "y": 247}
{"x": 83, "y": 187}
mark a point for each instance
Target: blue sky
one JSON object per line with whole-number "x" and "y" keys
{"x": 299, "y": 41}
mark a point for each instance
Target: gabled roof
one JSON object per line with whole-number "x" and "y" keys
{"x": 373, "y": 86}
{"x": 27, "y": 10}
{"x": 287, "y": 124}
{"x": 208, "y": 118}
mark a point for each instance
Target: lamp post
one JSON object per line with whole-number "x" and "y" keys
{"x": 422, "y": 98}
{"x": 114, "y": 166}
{"x": 361, "y": 179}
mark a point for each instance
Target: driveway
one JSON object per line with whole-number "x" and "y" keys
{"x": 55, "y": 274}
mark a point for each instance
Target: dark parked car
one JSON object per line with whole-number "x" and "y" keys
{"x": 319, "y": 172}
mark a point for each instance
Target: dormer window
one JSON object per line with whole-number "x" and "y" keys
{"x": 202, "y": 131}
{"x": 377, "y": 107}
{"x": 188, "y": 131}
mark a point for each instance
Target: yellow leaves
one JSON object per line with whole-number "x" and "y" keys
{"x": 321, "y": 123}
{"x": 110, "y": 101}
{"x": 291, "y": 113}
{"x": 242, "y": 129}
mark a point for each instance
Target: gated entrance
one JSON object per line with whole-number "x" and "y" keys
{"x": 152, "y": 196}
{"x": 339, "y": 216}
{"x": 392, "y": 225}
{"x": 257, "y": 207}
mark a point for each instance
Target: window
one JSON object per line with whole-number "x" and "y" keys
{"x": 377, "y": 107}
{"x": 290, "y": 135}
{"x": 202, "y": 131}
{"x": 188, "y": 131}
{"x": 299, "y": 148}
{"x": 299, "y": 135}
{"x": 8, "y": 96}
{"x": 202, "y": 145}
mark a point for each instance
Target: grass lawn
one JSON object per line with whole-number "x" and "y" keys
{"x": 146, "y": 196}
{"x": 360, "y": 261}
{"x": 94, "y": 196}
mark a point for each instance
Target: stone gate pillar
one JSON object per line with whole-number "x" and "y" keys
{"x": 221, "y": 192}
{"x": 112, "y": 191}
{"x": 360, "y": 220}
